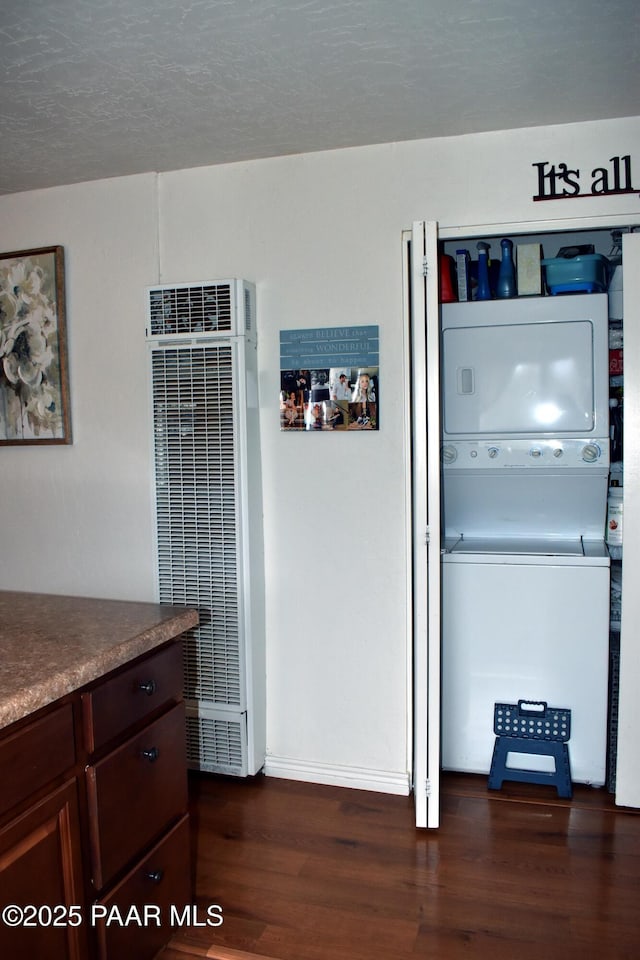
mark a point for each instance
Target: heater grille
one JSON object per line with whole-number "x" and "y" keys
{"x": 203, "y": 363}
{"x": 219, "y": 308}
{"x": 197, "y": 309}
{"x": 215, "y": 742}
{"x": 196, "y": 516}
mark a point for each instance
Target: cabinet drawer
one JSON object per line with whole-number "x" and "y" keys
{"x": 157, "y": 883}
{"x": 36, "y": 754}
{"x": 116, "y": 704}
{"x": 135, "y": 792}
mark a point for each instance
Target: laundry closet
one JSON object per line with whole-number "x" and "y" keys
{"x": 530, "y": 421}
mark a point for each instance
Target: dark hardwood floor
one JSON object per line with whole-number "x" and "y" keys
{"x": 307, "y": 872}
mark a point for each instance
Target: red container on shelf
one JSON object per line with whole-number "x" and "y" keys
{"x": 615, "y": 363}
{"x": 447, "y": 282}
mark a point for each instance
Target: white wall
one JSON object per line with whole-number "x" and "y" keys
{"x": 320, "y": 235}
{"x": 77, "y": 519}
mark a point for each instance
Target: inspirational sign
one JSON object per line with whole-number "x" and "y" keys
{"x": 559, "y": 181}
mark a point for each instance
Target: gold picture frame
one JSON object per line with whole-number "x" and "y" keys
{"x": 34, "y": 378}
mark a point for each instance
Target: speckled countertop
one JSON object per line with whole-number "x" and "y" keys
{"x": 51, "y": 645}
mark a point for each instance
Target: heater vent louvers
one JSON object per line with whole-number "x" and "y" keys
{"x": 248, "y": 311}
{"x": 215, "y": 742}
{"x": 218, "y": 308}
{"x": 196, "y": 509}
{"x": 190, "y": 310}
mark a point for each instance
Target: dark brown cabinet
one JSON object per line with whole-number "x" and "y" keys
{"x": 93, "y": 817}
{"x": 41, "y": 873}
{"x": 135, "y": 793}
{"x": 136, "y": 788}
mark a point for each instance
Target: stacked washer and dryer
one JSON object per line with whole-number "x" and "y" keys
{"x": 525, "y": 571}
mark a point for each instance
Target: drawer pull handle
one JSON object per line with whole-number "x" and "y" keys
{"x": 155, "y": 876}
{"x": 151, "y": 754}
{"x": 149, "y": 687}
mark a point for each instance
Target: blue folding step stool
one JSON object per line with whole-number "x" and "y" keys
{"x": 531, "y": 727}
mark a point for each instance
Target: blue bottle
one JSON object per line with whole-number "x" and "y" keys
{"x": 484, "y": 287}
{"x": 506, "y": 285}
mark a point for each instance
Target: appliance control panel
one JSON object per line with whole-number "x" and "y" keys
{"x": 497, "y": 455}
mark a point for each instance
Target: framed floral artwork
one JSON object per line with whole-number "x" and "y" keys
{"x": 34, "y": 385}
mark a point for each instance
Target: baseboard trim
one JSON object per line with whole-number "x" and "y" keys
{"x": 357, "y": 778}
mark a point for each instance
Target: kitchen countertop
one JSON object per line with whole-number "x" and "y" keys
{"x": 51, "y": 645}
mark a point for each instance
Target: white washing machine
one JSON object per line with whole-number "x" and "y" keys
{"x": 524, "y": 620}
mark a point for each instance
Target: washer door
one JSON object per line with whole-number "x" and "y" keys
{"x": 524, "y": 631}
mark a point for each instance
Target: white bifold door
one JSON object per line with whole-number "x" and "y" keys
{"x": 424, "y": 393}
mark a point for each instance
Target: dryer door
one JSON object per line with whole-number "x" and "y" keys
{"x": 526, "y": 368}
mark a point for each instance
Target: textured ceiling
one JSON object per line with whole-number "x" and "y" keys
{"x": 101, "y": 88}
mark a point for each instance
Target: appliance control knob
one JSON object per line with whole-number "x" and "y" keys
{"x": 535, "y": 452}
{"x": 449, "y": 454}
{"x": 591, "y": 452}
{"x": 493, "y": 452}
{"x": 557, "y": 452}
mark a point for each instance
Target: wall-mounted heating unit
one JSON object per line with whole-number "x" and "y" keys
{"x": 208, "y": 506}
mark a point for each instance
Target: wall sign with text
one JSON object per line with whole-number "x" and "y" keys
{"x": 559, "y": 181}
{"x": 330, "y": 379}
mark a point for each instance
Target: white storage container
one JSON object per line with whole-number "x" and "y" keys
{"x": 614, "y": 516}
